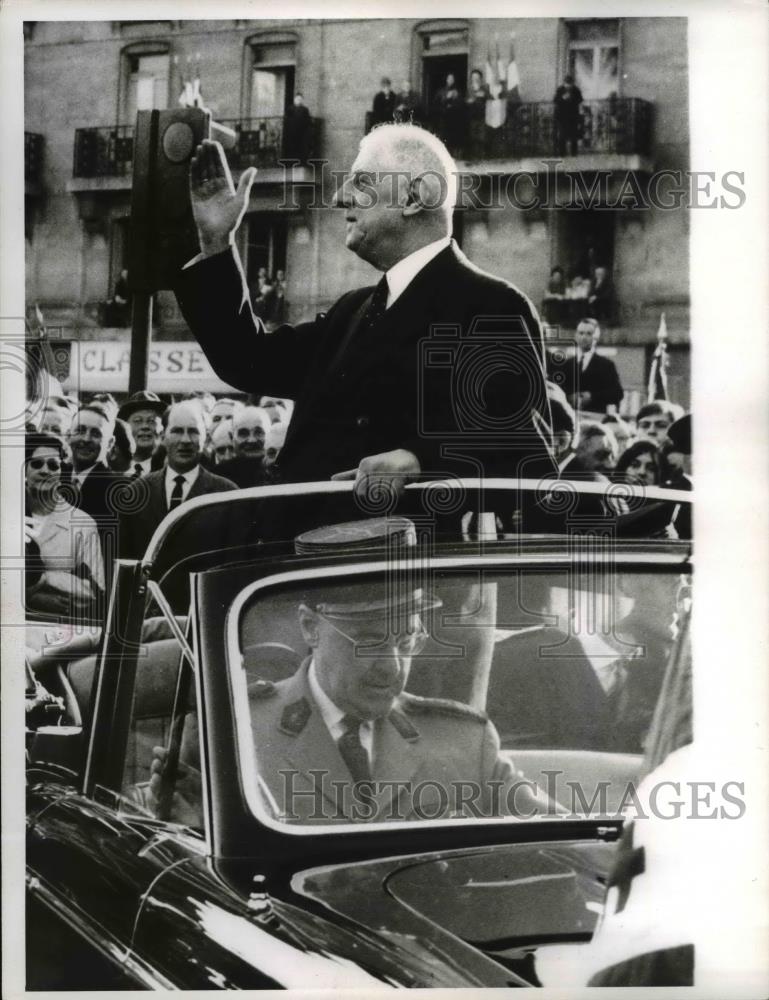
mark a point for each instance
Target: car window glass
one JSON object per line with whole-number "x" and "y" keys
{"x": 465, "y": 694}
{"x": 161, "y": 776}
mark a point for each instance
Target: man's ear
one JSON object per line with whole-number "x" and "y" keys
{"x": 308, "y": 622}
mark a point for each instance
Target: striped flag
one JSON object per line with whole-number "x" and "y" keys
{"x": 657, "y": 387}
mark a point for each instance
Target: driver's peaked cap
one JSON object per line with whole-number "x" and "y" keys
{"x": 397, "y": 593}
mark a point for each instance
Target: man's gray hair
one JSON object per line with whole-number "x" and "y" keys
{"x": 413, "y": 150}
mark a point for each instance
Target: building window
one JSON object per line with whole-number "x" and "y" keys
{"x": 443, "y": 49}
{"x": 272, "y": 72}
{"x": 593, "y": 57}
{"x": 266, "y": 247}
{"x": 145, "y": 79}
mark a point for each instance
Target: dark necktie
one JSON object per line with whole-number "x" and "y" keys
{"x": 377, "y": 306}
{"x": 352, "y": 750}
{"x": 176, "y": 493}
{"x": 138, "y": 470}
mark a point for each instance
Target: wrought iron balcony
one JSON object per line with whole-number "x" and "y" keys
{"x": 263, "y": 142}
{"x": 33, "y": 158}
{"x": 104, "y": 152}
{"x": 619, "y": 125}
{"x": 260, "y": 142}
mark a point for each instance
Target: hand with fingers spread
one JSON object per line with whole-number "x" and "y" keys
{"x": 380, "y": 475}
{"x": 217, "y": 205}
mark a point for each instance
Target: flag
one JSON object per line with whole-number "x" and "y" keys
{"x": 496, "y": 105}
{"x": 513, "y": 77}
{"x": 42, "y": 381}
{"x": 658, "y": 376}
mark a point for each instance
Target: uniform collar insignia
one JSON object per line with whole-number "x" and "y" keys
{"x": 403, "y": 726}
{"x": 295, "y": 717}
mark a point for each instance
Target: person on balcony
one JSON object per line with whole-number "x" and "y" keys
{"x": 567, "y": 101}
{"x": 118, "y": 309}
{"x": 476, "y": 99}
{"x": 601, "y": 297}
{"x": 449, "y": 108}
{"x": 383, "y": 109}
{"x": 297, "y": 138}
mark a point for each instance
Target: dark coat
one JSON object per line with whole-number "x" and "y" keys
{"x": 146, "y": 506}
{"x": 463, "y": 405}
{"x": 600, "y": 379}
{"x": 100, "y": 496}
{"x": 383, "y": 108}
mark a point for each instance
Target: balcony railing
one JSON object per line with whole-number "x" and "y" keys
{"x": 617, "y": 125}
{"x": 104, "y": 152}
{"x": 263, "y": 142}
{"x": 33, "y": 157}
{"x": 260, "y": 142}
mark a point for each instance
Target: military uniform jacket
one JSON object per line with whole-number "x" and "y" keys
{"x": 452, "y": 372}
{"x": 427, "y": 754}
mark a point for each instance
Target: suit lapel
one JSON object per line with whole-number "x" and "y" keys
{"x": 396, "y": 759}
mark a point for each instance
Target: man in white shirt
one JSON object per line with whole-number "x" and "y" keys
{"x": 143, "y": 413}
{"x": 374, "y": 401}
{"x": 154, "y": 496}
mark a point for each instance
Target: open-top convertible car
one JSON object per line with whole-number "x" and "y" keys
{"x": 320, "y": 746}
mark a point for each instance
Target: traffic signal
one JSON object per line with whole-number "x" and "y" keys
{"x": 163, "y": 235}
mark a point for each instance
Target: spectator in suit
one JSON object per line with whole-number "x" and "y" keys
{"x": 297, "y": 138}
{"x": 93, "y": 482}
{"x": 600, "y": 299}
{"x": 384, "y": 103}
{"x": 592, "y": 381}
{"x": 567, "y": 101}
{"x": 143, "y": 412}
{"x": 249, "y": 433}
{"x": 368, "y": 407}
{"x": 276, "y": 438}
{"x": 477, "y": 95}
{"x": 154, "y": 496}
{"x": 448, "y": 109}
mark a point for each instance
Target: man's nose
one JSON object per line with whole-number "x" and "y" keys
{"x": 343, "y": 196}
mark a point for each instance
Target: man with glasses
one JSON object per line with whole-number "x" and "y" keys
{"x": 342, "y": 740}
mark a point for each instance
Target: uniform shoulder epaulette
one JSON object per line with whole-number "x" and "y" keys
{"x": 415, "y": 705}
{"x": 261, "y": 689}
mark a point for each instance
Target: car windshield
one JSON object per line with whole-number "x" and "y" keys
{"x": 452, "y": 693}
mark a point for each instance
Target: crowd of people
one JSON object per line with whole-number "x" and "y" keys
{"x": 100, "y": 477}
{"x": 268, "y": 296}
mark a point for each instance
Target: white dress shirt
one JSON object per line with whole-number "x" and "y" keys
{"x": 78, "y": 477}
{"x": 332, "y": 715}
{"x": 189, "y": 478}
{"x": 146, "y": 467}
{"x": 586, "y": 358}
{"x": 400, "y": 275}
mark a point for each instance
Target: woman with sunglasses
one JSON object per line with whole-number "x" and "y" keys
{"x": 72, "y": 577}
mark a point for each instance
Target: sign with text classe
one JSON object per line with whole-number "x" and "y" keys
{"x": 174, "y": 366}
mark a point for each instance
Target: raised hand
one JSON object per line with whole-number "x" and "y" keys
{"x": 380, "y": 476}
{"x": 217, "y": 206}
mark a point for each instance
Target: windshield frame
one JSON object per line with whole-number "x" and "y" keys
{"x": 670, "y": 558}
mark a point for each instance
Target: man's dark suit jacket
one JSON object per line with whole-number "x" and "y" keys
{"x": 600, "y": 379}
{"x": 453, "y": 372}
{"x": 100, "y": 496}
{"x": 148, "y": 506}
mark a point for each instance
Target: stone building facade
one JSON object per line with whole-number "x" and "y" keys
{"x": 84, "y": 82}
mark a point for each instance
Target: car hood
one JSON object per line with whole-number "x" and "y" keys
{"x": 470, "y": 917}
